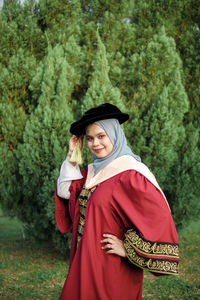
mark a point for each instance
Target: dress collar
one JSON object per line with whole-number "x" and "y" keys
{"x": 119, "y": 165}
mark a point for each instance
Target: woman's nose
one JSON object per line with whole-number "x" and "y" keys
{"x": 95, "y": 142}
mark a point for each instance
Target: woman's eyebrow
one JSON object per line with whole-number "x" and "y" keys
{"x": 99, "y": 133}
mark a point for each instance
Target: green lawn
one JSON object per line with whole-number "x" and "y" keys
{"x": 186, "y": 286}
{"x": 32, "y": 270}
{"x": 28, "y": 270}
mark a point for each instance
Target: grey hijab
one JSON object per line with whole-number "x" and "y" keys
{"x": 118, "y": 139}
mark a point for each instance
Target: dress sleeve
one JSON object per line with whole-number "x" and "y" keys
{"x": 150, "y": 237}
{"x": 68, "y": 172}
{"x": 65, "y": 208}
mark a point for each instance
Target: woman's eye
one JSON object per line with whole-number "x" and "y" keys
{"x": 89, "y": 139}
{"x": 101, "y": 136}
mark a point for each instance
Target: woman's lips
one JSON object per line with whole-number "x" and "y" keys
{"x": 98, "y": 150}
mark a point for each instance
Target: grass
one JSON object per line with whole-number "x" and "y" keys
{"x": 28, "y": 270}
{"x": 187, "y": 284}
{"x": 37, "y": 271}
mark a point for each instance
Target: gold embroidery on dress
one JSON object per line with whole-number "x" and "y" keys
{"x": 83, "y": 199}
{"x": 154, "y": 265}
{"x": 151, "y": 248}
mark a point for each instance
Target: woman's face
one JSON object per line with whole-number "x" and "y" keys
{"x": 98, "y": 141}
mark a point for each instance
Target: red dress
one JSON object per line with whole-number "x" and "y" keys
{"x": 130, "y": 207}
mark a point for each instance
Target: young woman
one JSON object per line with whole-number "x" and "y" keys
{"x": 120, "y": 219}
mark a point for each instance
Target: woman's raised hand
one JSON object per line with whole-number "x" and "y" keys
{"x": 113, "y": 245}
{"x": 73, "y": 141}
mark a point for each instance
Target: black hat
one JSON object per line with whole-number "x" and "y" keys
{"x": 101, "y": 112}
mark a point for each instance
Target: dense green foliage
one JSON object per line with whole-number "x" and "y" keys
{"x": 59, "y": 58}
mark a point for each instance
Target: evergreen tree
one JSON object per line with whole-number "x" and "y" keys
{"x": 13, "y": 114}
{"x": 10, "y": 18}
{"x": 186, "y": 177}
{"x": 46, "y": 137}
{"x": 156, "y": 127}
{"x": 181, "y": 20}
{"x": 58, "y": 20}
{"x": 19, "y": 29}
{"x": 145, "y": 62}
{"x": 100, "y": 87}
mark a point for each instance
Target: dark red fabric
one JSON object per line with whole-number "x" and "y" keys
{"x": 62, "y": 216}
{"x": 127, "y": 200}
{"x": 64, "y": 209}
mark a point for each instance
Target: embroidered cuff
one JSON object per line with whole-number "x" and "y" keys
{"x": 154, "y": 256}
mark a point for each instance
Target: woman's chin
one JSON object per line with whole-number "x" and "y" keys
{"x": 101, "y": 154}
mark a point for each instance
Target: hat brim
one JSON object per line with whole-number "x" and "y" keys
{"x": 78, "y": 128}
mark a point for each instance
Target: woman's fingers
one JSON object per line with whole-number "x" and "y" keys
{"x": 107, "y": 240}
{"x": 113, "y": 245}
{"x": 109, "y": 236}
{"x": 72, "y": 143}
{"x": 107, "y": 246}
{"x": 80, "y": 139}
{"x": 74, "y": 139}
{"x": 112, "y": 252}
